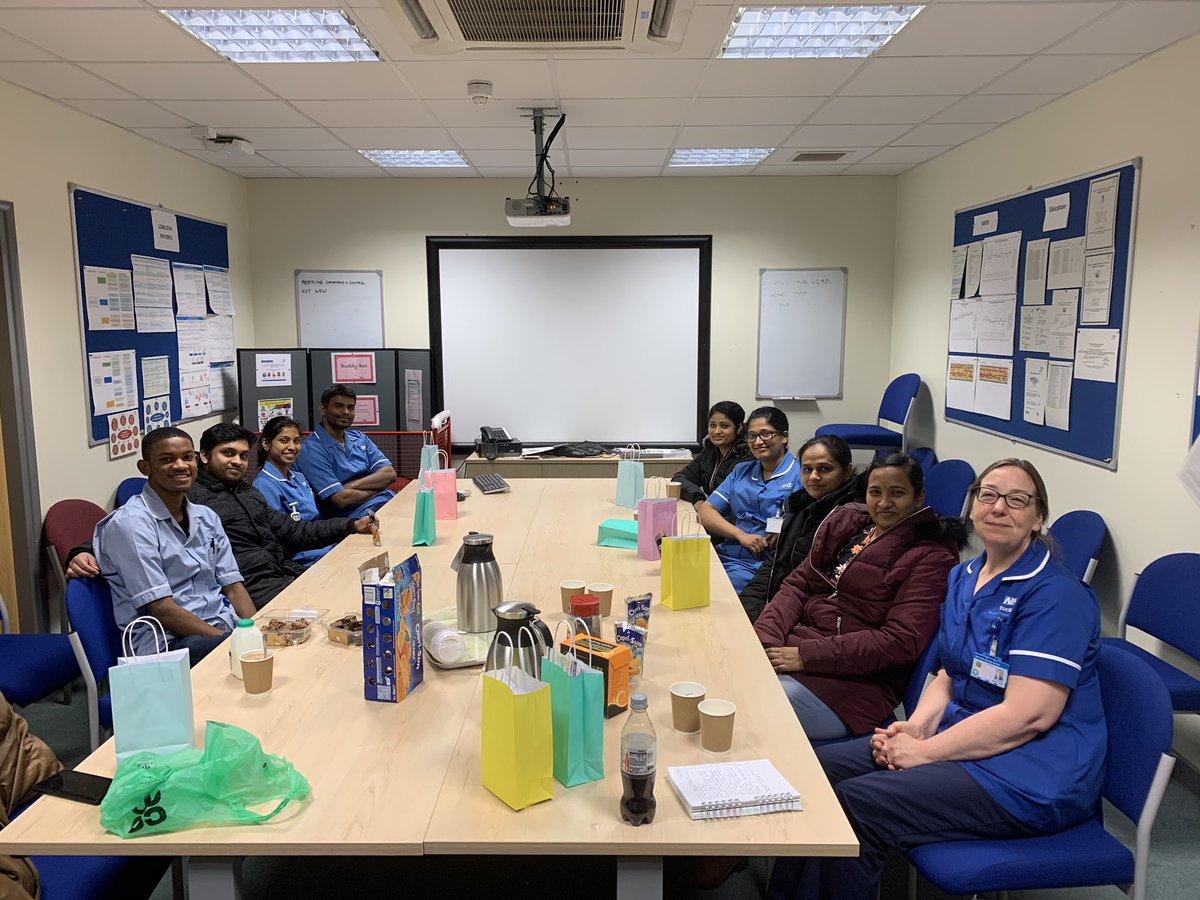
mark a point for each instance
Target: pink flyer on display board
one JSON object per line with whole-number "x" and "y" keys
{"x": 366, "y": 410}
{"x": 354, "y": 368}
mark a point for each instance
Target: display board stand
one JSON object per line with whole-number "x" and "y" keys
{"x": 273, "y": 383}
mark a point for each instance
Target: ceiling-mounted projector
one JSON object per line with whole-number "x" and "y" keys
{"x": 542, "y": 206}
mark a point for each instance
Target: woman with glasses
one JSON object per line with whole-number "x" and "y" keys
{"x": 849, "y": 624}
{"x": 753, "y": 496}
{"x": 723, "y": 448}
{"x": 1009, "y": 739}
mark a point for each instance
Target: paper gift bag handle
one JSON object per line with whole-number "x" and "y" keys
{"x": 575, "y": 646}
{"x": 690, "y": 522}
{"x": 659, "y": 484}
{"x": 443, "y": 453}
{"x": 631, "y": 451}
{"x": 426, "y": 438}
{"x": 155, "y": 626}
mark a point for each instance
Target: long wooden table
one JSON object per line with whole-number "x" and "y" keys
{"x": 565, "y": 466}
{"x": 403, "y": 779}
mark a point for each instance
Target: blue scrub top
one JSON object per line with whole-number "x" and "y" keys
{"x": 291, "y": 494}
{"x": 145, "y": 555}
{"x": 1046, "y": 624}
{"x": 752, "y": 500}
{"x": 327, "y": 464}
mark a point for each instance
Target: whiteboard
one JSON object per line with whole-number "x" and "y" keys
{"x": 801, "y": 329}
{"x": 339, "y": 309}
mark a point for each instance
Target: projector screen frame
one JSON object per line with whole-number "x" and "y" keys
{"x": 701, "y": 243}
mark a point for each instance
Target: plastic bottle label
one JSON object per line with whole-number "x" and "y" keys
{"x": 638, "y": 760}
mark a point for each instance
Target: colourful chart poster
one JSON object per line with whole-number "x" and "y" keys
{"x": 269, "y": 409}
{"x": 124, "y": 434}
{"x": 156, "y": 412}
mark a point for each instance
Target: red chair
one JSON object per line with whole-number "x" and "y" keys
{"x": 68, "y": 524}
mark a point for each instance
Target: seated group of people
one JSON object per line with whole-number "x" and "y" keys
{"x": 847, "y": 578}
{"x": 199, "y": 548}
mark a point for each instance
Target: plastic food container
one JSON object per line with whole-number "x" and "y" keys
{"x": 283, "y": 627}
{"x": 345, "y": 629}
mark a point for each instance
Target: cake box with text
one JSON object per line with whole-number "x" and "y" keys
{"x": 393, "y": 649}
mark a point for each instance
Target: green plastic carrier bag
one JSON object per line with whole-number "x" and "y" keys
{"x": 153, "y": 793}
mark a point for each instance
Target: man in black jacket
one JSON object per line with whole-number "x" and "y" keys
{"x": 263, "y": 540}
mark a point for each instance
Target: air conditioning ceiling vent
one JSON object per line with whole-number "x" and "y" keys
{"x": 540, "y": 21}
{"x": 819, "y": 155}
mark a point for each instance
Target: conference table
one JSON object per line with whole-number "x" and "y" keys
{"x": 404, "y": 779}
{"x": 568, "y": 467}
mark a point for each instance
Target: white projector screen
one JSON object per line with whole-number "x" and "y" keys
{"x": 576, "y": 339}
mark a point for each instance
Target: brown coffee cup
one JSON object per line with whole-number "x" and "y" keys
{"x": 257, "y": 670}
{"x": 716, "y": 725}
{"x": 568, "y": 589}
{"x": 686, "y": 697}
{"x": 673, "y": 489}
{"x": 604, "y": 591}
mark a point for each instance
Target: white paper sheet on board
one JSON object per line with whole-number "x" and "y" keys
{"x": 1097, "y": 289}
{"x": 998, "y": 270}
{"x": 974, "y": 264}
{"x": 1096, "y": 354}
{"x": 151, "y": 282}
{"x": 113, "y": 376}
{"x": 193, "y": 346}
{"x": 108, "y": 295}
{"x": 220, "y": 339}
{"x": 962, "y": 326}
{"x": 166, "y": 230}
{"x": 220, "y": 294}
{"x": 995, "y": 321}
{"x": 1037, "y": 254}
{"x": 1035, "y": 391}
{"x": 1066, "y": 264}
{"x": 1058, "y": 396}
{"x": 1061, "y": 326}
{"x": 958, "y": 265}
{"x": 1058, "y": 210}
{"x": 272, "y": 370}
{"x": 194, "y": 392}
{"x": 960, "y": 382}
{"x": 156, "y": 412}
{"x": 993, "y": 388}
{"x": 222, "y": 386}
{"x": 156, "y": 376}
{"x": 985, "y": 223}
{"x": 1035, "y": 321}
{"x": 190, "y": 293}
{"x": 1102, "y": 212}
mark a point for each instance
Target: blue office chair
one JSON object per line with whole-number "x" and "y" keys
{"x": 128, "y": 489}
{"x": 1137, "y": 712}
{"x": 1163, "y": 604}
{"x": 99, "y": 877}
{"x": 925, "y": 457}
{"x": 33, "y": 666}
{"x": 946, "y": 486}
{"x": 96, "y": 642}
{"x": 894, "y": 409}
{"x": 1079, "y": 534}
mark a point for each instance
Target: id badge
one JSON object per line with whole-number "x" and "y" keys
{"x": 990, "y": 670}
{"x": 775, "y": 525}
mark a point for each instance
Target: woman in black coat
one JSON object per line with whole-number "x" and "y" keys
{"x": 723, "y": 448}
{"x": 827, "y": 472}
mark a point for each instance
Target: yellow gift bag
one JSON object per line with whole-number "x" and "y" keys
{"x": 685, "y": 570}
{"x": 518, "y": 740}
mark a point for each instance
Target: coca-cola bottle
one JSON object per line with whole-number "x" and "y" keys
{"x": 639, "y": 751}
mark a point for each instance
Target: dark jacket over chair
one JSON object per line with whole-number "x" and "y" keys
{"x": 859, "y": 642}
{"x": 801, "y": 518}
{"x": 707, "y": 470}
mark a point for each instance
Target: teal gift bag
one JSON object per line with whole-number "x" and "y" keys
{"x": 577, "y": 717}
{"x": 631, "y": 478}
{"x": 151, "y": 696}
{"x": 429, "y": 457}
{"x": 618, "y": 533}
{"x": 425, "y": 519}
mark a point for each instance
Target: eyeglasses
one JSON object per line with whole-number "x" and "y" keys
{"x": 753, "y": 436}
{"x": 1013, "y": 499}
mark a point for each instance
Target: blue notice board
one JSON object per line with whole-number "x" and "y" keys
{"x": 1095, "y": 406}
{"x": 108, "y": 232}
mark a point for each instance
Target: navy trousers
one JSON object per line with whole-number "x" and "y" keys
{"x": 903, "y": 809}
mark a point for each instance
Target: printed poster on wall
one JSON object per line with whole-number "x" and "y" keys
{"x": 114, "y": 381}
{"x": 366, "y": 410}
{"x": 156, "y": 412}
{"x": 272, "y": 370}
{"x": 124, "y": 434}
{"x": 269, "y": 409}
{"x": 353, "y": 368}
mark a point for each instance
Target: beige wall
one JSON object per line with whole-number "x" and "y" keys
{"x": 46, "y": 146}
{"x": 1136, "y": 112}
{"x": 755, "y": 222}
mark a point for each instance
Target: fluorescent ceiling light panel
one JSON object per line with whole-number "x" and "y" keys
{"x": 720, "y": 156}
{"x": 416, "y": 159}
{"x": 813, "y": 32}
{"x": 276, "y": 35}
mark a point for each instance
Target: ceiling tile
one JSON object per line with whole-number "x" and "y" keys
{"x": 445, "y": 79}
{"x": 291, "y": 139}
{"x": 614, "y": 171}
{"x": 332, "y": 81}
{"x": 750, "y": 110}
{"x": 1136, "y": 28}
{"x": 709, "y": 171}
{"x": 602, "y": 113}
{"x": 881, "y": 169}
{"x": 942, "y": 135}
{"x": 179, "y": 138}
{"x": 230, "y": 160}
{"x": 522, "y": 159}
{"x": 16, "y": 50}
{"x": 616, "y": 138}
{"x": 129, "y": 113}
{"x": 802, "y": 169}
{"x": 993, "y": 107}
{"x": 365, "y": 113}
{"x": 784, "y": 156}
{"x": 617, "y": 158}
{"x": 637, "y": 79}
{"x": 380, "y": 30}
{"x": 1056, "y": 74}
{"x": 73, "y": 3}
{"x": 891, "y": 77}
{"x": 503, "y": 172}
{"x": 706, "y": 30}
{"x": 223, "y": 114}
{"x": 61, "y": 80}
{"x": 433, "y": 173}
{"x": 879, "y": 110}
{"x": 338, "y": 172}
{"x": 397, "y": 138}
{"x": 907, "y": 155}
{"x": 519, "y": 138}
{"x": 955, "y": 29}
{"x": 108, "y": 34}
{"x": 733, "y": 136}
{"x": 465, "y": 114}
{"x": 813, "y": 136}
{"x": 776, "y": 77}
{"x": 181, "y": 81}
{"x": 265, "y": 172}
{"x": 338, "y": 158}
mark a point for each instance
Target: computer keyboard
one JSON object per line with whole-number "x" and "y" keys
{"x": 490, "y": 483}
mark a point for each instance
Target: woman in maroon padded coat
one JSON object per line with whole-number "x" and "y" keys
{"x": 847, "y": 626}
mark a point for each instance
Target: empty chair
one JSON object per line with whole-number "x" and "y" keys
{"x": 1163, "y": 604}
{"x": 68, "y": 524}
{"x": 96, "y": 643}
{"x": 1079, "y": 534}
{"x": 946, "y": 486}
{"x": 128, "y": 489}
{"x": 893, "y": 409}
{"x": 33, "y": 666}
{"x": 925, "y": 457}
{"x": 99, "y": 877}
{"x": 1137, "y": 768}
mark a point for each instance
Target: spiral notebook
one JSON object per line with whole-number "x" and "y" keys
{"x": 725, "y": 790}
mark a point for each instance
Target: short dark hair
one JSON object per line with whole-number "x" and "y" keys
{"x": 271, "y": 431}
{"x": 910, "y": 467}
{"x": 161, "y": 434}
{"x": 337, "y": 390}
{"x": 1039, "y": 487}
{"x": 223, "y": 433}
{"x": 838, "y": 449}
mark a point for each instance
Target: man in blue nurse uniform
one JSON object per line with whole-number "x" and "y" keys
{"x": 350, "y": 475}
{"x": 168, "y": 558}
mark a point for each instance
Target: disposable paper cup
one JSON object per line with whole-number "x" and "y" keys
{"x": 673, "y": 488}
{"x": 686, "y": 697}
{"x": 604, "y": 592}
{"x": 257, "y": 669}
{"x": 716, "y": 725}
{"x": 569, "y": 588}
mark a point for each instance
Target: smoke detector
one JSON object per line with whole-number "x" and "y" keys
{"x": 479, "y": 92}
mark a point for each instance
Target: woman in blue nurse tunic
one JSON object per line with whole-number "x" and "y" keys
{"x": 1009, "y": 738}
{"x": 285, "y": 488}
{"x": 754, "y": 496}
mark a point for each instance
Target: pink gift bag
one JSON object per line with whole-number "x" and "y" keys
{"x": 443, "y": 483}
{"x": 656, "y": 519}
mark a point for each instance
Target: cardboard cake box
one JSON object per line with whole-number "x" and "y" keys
{"x": 393, "y": 651}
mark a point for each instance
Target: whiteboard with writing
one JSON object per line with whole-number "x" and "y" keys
{"x": 801, "y": 324}
{"x": 339, "y": 309}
